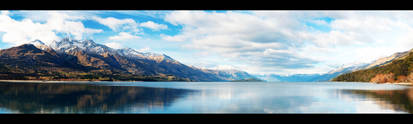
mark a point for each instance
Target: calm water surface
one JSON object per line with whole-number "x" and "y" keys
{"x": 204, "y": 97}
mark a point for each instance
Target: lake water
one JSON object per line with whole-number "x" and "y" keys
{"x": 204, "y": 97}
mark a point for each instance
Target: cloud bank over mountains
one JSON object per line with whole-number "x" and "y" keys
{"x": 295, "y": 41}
{"x": 276, "y": 42}
{"x": 20, "y": 31}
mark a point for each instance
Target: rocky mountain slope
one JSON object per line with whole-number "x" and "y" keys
{"x": 395, "y": 68}
{"x": 349, "y": 68}
{"x": 86, "y": 60}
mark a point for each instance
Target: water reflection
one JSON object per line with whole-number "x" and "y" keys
{"x": 80, "y": 98}
{"x": 213, "y": 101}
{"x": 203, "y": 97}
{"x": 398, "y": 100}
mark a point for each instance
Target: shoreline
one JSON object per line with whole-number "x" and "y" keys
{"x": 46, "y": 81}
{"x": 403, "y": 83}
{"x": 399, "y": 83}
{"x": 83, "y": 81}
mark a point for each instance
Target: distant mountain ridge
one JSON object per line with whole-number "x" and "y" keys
{"x": 313, "y": 77}
{"x": 86, "y": 60}
{"x": 331, "y": 75}
{"x": 231, "y": 74}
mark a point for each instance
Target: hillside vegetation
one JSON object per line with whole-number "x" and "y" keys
{"x": 399, "y": 70}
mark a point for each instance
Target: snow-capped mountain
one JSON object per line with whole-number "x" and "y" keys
{"x": 67, "y": 45}
{"x": 230, "y": 74}
{"x": 386, "y": 60}
{"x": 348, "y": 68}
{"x": 132, "y": 53}
{"x": 39, "y": 44}
{"x": 393, "y": 68}
{"x": 314, "y": 77}
{"x": 108, "y": 61}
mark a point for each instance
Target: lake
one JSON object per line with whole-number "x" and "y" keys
{"x": 204, "y": 97}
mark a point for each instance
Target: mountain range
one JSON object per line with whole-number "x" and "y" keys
{"x": 349, "y": 68}
{"x": 312, "y": 77}
{"x": 395, "y": 68}
{"x": 69, "y": 59}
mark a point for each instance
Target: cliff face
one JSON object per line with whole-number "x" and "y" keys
{"x": 398, "y": 69}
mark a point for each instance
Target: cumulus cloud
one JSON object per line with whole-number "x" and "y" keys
{"x": 146, "y": 49}
{"x": 118, "y": 24}
{"x": 283, "y": 42}
{"x": 114, "y": 45}
{"x": 225, "y": 67}
{"x": 154, "y": 26}
{"x": 247, "y": 38}
{"x": 123, "y": 36}
{"x": 128, "y": 24}
{"x": 21, "y": 31}
{"x": 118, "y": 41}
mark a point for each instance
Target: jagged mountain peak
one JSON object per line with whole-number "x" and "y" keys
{"x": 73, "y": 47}
{"x": 65, "y": 41}
{"x": 77, "y": 58}
{"x": 133, "y": 53}
{"x": 68, "y": 45}
{"x": 39, "y": 44}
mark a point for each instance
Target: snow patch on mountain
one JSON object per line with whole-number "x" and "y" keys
{"x": 132, "y": 53}
{"x": 68, "y": 45}
{"x": 386, "y": 60}
{"x": 348, "y": 68}
{"x": 39, "y": 44}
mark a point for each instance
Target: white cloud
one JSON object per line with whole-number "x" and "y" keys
{"x": 5, "y": 12}
{"x": 256, "y": 41}
{"x": 177, "y": 38}
{"x": 122, "y": 39}
{"x": 146, "y": 49}
{"x": 123, "y": 36}
{"x": 20, "y": 31}
{"x": 42, "y": 16}
{"x": 225, "y": 67}
{"x": 154, "y": 26}
{"x": 118, "y": 24}
{"x": 281, "y": 42}
{"x": 243, "y": 37}
{"x": 114, "y": 45}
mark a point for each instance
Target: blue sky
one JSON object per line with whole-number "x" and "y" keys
{"x": 259, "y": 42}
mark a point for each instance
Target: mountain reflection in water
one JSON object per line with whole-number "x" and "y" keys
{"x": 204, "y": 97}
{"x": 81, "y": 98}
{"x": 399, "y": 100}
